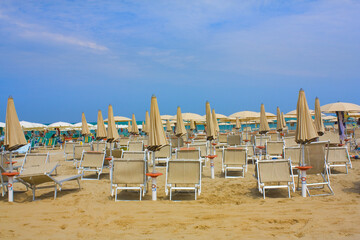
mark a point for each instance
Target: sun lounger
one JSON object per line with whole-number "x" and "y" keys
{"x": 135, "y": 146}
{"x": 78, "y": 150}
{"x": 163, "y": 155}
{"x": 332, "y": 137}
{"x": 92, "y": 161}
{"x": 274, "y": 174}
{"x": 234, "y": 159}
{"x": 315, "y": 155}
{"x": 34, "y": 179}
{"x": 188, "y": 153}
{"x": 234, "y": 140}
{"x": 183, "y": 174}
{"x": 99, "y": 146}
{"x": 290, "y": 142}
{"x": 338, "y": 157}
{"x": 69, "y": 149}
{"x": 274, "y": 149}
{"x": 129, "y": 174}
{"x": 38, "y": 162}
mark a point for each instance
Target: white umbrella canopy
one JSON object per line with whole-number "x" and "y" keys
{"x": 119, "y": 119}
{"x": 31, "y": 126}
{"x": 60, "y": 125}
{"x": 190, "y": 116}
{"x": 220, "y": 117}
{"x": 79, "y": 125}
{"x": 167, "y": 117}
{"x": 2, "y": 125}
{"x": 340, "y": 107}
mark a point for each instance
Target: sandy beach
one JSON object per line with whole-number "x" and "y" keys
{"x": 226, "y": 208}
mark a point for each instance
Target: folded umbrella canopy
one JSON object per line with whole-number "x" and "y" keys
{"x": 14, "y": 135}
{"x": 215, "y": 122}
{"x": 237, "y": 125}
{"x": 210, "y": 129}
{"x": 192, "y": 124}
{"x": 168, "y": 126}
{"x": 134, "y": 127}
{"x": 157, "y": 138}
{"x": 100, "y": 129}
{"x": 283, "y": 120}
{"x": 112, "y": 133}
{"x": 305, "y": 130}
{"x": 264, "y": 125}
{"x": 84, "y": 126}
{"x": 319, "y": 125}
{"x": 129, "y": 127}
{"x": 180, "y": 127}
{"x": 279, "y": 121}
{"x": 147, "y": 123}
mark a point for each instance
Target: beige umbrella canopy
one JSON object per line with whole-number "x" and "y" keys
{"x": 167, "y": 117}
{"x": 129, "y": 127}
{"x": 305, "y": 130}
{"x": 180, "y": 127}
{"x": 134, "y": 127}
{"x": 210, "y": 130}
{"x": 189, "y": 116}
{"x": 84, "y": 126}
{"x": 319, "y": 125}
{"x": 100, "y": 129}
{"x": 119, "y": 119}
{"x": 279, "y": 120}
{"x": 112, "y": 133}
{"x": 340, "y": 107}
{"x": 192, "y": 124}
{"x": 168, "y": 126}
{"x": 215, "y": 122}
{"x": 157, "y": 138}
{"x": 143, "y": 127}
{"x": 247, "y": 115}
{"x": 147, "y": 123}
{"x": 264, "y": 125}
{"x": 237, "y": 125}
{"x": 14, "y": 135}
{"x": 283, "y": 120}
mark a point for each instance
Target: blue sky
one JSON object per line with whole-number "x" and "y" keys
{"x": 61, "y": 58}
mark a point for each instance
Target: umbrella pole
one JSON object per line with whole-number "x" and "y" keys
{"x": 303, "y": 173}
{"x": 10, "y": 182}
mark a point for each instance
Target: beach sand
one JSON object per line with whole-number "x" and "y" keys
{"x": 226, "y": 208}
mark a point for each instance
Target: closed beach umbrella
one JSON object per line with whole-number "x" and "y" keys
{"x": 157, "y": 138}
{"x": 84, "y": 126}
{"x": 283, "y": 119}
{"x": 237, "y": 125}
{"x": 147, "y": 122}
{"x": 168, "y": 126}
{"x": 319, "y": 125}
{"x": 100, "y": 129}
{"x": 210, "y": 130}
{"x": 129, "y": 127}
{"x": 112, "y": 133}
{"x": 180, "y": 127}
{"x": 192, "y": 124}
{"x": 279, "y": 120}
{"x": 143, "y": 127}
{"x": 264, "y": 125}
{"x": 215, "y": 122}
{"x": 134, "y": 127}
{"x": 14, "y": 135}
{"x": 305, "y": 131}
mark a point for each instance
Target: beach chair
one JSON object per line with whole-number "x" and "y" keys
{"x": 261, "y": 140}
{"x": 222, "y": 139}
{"x": 69, "y": 149}
{"x": 188, "y": 153}
{"x": 123, "y": 142}
{"x": 129, "y": 174}
{"x": 176, "y": 142}
{"x": 250, "y": 152}
{"x": 338, "y": 157}
{"x": 203, "y": 147}
{"x": 99, "y": 146}
{"x": 116, "y": 152}
{"x": 315, "y": 155}
{"x": 275, "y": 149}
{"x": 33, "y": 179}
{"x": 234, "y": 140}
{"x": 274, "y": 136}
{"x": 273, "y": 174}
{"x": 78, "y": 150}
{"x": 293, "y": 153}
{"x": 91, "y": 161}
{"x": 163, "y": 155}
{"x": 234, "y": 159}
{"x": 135, "y": 146}
{"x": 183, "y": 174}
{"x": 332, "y": 137}
{"x": 290, "y": 142}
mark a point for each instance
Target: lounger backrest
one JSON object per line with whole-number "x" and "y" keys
{"x": 234, "y": 140}
{"x": 290, "y": 141}
{"x": 183, "y": 171}
{"x": 92, "y": 159}
{"x": 174, "y": 141}
{"x": 274, "y": 171}
{"x": 315, "y": 155}
{"x": 202, "y": 146}
{"x": 164, "y": 152}
{"x": 338, "y": 154}
{"x": 261, "y": 140}
{"x": 188, "y": 153}
{"x": 123, "y": 141}
{"x": 330, "y": 136}
{"x": 235, "y": 156}
{"x": 78, "y": 149}
{"x": 273, "y": 136}
{"x": 200, "y": 137}
{"x": 35, "y": 160}
{"x": 357, "y": 133}
{"x": 250, "y": 150}
{"x": 99, "y": 146}
{"x": 275, "y": 148}
{"x": 294, "y": 153}
{"x": 128, "y": 172}
{"x": 222, "y": 138}
{"x": 135, "y": 146}
{"x": 69, "y": 147}
{"x": 131, "y": 155}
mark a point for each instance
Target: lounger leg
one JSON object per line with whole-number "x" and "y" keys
{"x": 289, "y": 191}
{"x": 33, "y": 191}
{"x": 140, "y": 194}
{"x": 55, "y": 193}
{"x": 264, "y": 193}
{"x": 170, "y": 194}
{"x": 78, "y": 181}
